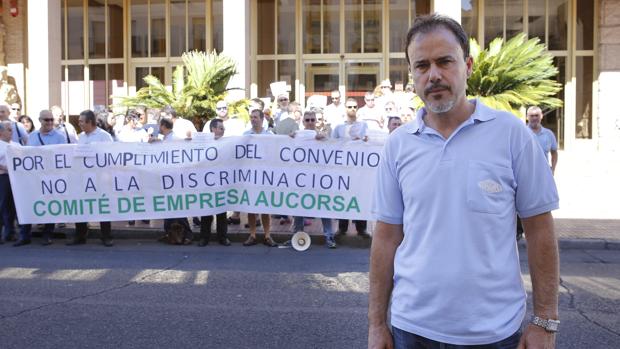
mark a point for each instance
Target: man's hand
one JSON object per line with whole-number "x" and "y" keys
{"x": 379, "y": 337}
{"x": 535, "y": 337}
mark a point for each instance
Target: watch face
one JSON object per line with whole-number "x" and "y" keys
{"x": 552, "y": 325}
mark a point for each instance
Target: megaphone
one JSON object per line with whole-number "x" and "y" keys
{"x": 301, "y": 241}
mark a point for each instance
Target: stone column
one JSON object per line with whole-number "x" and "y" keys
{"x": 609, "y": 75}
{"x": 237, "y": 44}
{"x": 450, "y": 8}
{"x": 44, "y": 55}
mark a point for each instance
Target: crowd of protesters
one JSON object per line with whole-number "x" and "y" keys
{"x": 341, "y": 118}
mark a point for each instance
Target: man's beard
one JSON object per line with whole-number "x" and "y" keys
{"x": 442, "y": 107}
{"x": 434, "y": 105}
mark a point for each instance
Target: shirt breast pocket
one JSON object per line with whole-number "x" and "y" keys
{"x": 490, "y": 188}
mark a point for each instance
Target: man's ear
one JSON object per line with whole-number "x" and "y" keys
{"x": 469, "y": 61}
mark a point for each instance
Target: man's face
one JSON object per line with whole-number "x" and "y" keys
{"x": 4, "y": 112}
{"x": 394, "y": 123}
{"x": 7, "y": 133}
{"x": 534, "y": 117}
{"x": 439, "y": 71}
{"x": 85, "y": 126}
{"x": 370, "y": 101}
{"x": 351, "y": 109}
{"x": 221, "y": 109}
{"x": 47, "y": 122}
{"x": 15, "y": 109}
{"x": 218, "y": 131}
{"x": 320, "y": 120}
{"x": 336, "y": 98}
{"x": 283, "y": 102}
{"x": 256, "y": 120}
{"x": 309, "y": 121}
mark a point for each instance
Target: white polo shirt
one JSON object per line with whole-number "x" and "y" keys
{"x": 456, "y": 273}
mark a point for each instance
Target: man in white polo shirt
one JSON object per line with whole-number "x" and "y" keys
{"x": 449, "y": 186}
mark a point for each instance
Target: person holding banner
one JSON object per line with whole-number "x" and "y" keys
{"x": 351, "y": 130}
{"x": 216, "y": 127}
{"x": 92, "y": 134}
{"x": 7, "y": 208}
{"x": 20, "y": 135}
{"x": 444, "y": 261}
{"x": 309, "y": 121}
{"x": 256, "y": 119}
{"x": 46, "y": 135}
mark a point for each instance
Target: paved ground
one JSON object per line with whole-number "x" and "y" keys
{"x": 141, "y": 294}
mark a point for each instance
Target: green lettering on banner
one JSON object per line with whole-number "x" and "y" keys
{"x": 324, "y": 201}
{"x": 308, "y": 201}
{"x": 274, "y": 202}
{"x": 219, "y": 199}
{"x": 205, "y": 200}
{"x": 190, "y": 199}
{"x": 353, "y": 205}
{"x": 104, "y": 206}
{"x": 245, "y": 198}
{"x": 232, "y": 197}
{"x": 262, "y": 198}
{"x": 138, "y": 204}
{"x": 175, "y": 203}
{"x": 338, "y": 205}
{"x": 124, "y": 205}
{"x": 70, "y": 207}
{"x": 36, "y": 210}
{"x": 288, "y": 200}
{"x": 54, "y": 208}
{"x": 158, "y": 203}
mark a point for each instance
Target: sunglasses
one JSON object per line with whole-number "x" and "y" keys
{"x": 386, "y": 86}
{"x": 369, "y": 100}
{"x": 47, "y": 120}
{"x": 15, "y": 109}
{"x": 221, "y": 108}
{"x": 351, "y": 106}
{"x": 283, "y": 100}
{"x": 310, "y": 120}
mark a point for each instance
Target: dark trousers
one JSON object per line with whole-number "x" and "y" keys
{"x": 221, "y": 226}
{"x": 81, "y": 230}
{"x": 7, "y": 207}
{"x": 25, "y": 229}
{"x": 407, "y": 340}
{"x": 343, "y": 225}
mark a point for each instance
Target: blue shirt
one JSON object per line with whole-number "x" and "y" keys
{"x": 547, "y": 140}
{"x": 456, "y": 273}
{"x": 53, "y": 137}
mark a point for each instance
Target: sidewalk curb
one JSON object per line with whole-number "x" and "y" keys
{"x": 238, "y": 236}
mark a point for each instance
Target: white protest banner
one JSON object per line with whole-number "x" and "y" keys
{"x": 131, "y": 181}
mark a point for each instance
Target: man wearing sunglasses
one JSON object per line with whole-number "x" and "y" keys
{"x": 335, "y": 113}
{"x": 46, "y": 135}
{"x": 370, "y": 113}
{"x": 309, "y": 121}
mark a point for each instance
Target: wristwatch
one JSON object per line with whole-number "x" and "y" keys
{"x": 549, "y": 325}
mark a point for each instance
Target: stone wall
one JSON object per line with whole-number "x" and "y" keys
{"x": 14, "y": 40}
{"x": 609, "y": 75}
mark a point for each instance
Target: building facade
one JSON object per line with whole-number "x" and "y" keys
{"x": 81, "y": 53}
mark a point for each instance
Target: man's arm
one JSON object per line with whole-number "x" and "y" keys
{"x": 543, "y": 258}
{"x": 385, "y": 241}
{"x": 554, "y": 160}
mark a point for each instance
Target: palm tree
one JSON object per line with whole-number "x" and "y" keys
{"x": 512, "y": 75}
{"x": 197, "y": 86}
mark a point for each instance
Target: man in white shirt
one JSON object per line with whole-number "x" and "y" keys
{"x": 62, "y": 125}
{"x": 234, "y": 126}
{"x": 182, "y": 127}
{"x": 92, "y": 134}
{"x": 370, "y": 113}
{"x": 20, "y": 135}
{"x": 335, "y": 113}
{"x": 7, "y": 208}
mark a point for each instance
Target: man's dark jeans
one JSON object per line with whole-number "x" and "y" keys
{"x": 221, "y": 226}
{"x": 406, "y": 340}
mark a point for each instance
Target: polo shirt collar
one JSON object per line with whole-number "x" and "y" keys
{"x": 481, "y": 113}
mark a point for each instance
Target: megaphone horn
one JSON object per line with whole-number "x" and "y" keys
{"x": 301, "y": 241}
